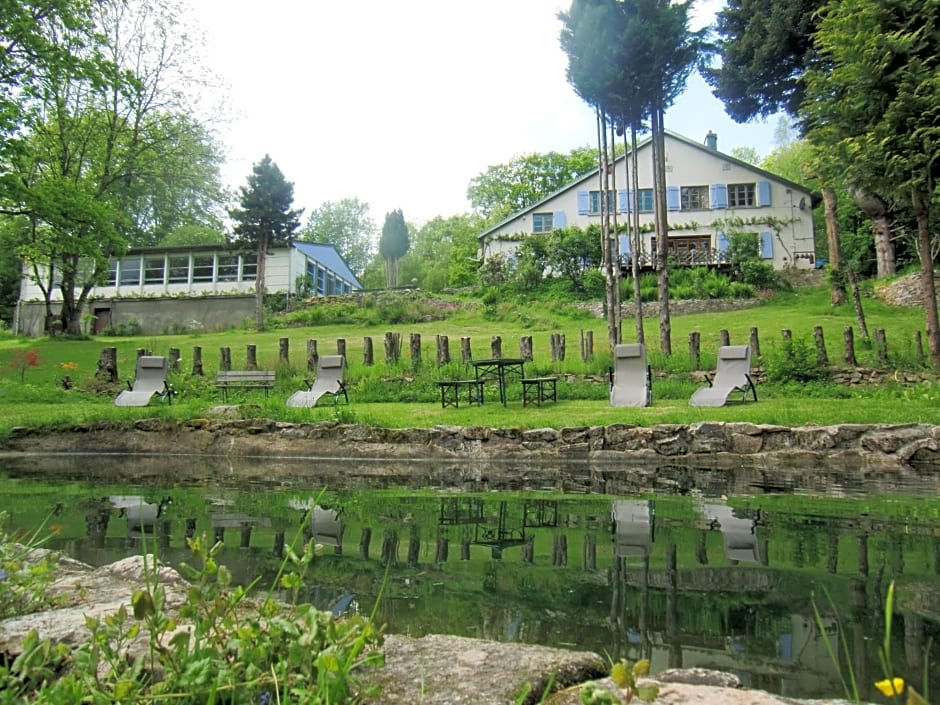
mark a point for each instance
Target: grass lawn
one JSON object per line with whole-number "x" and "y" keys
{"x": 405, "y": 395}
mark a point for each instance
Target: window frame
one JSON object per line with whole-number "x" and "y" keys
{"x": 694, "y": 198}
{"x": 735, "y": 199}
{"x": 539, "y": 222}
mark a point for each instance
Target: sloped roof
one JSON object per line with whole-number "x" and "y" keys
{"x": 329, "y": 257}
{"x": 587, "y": 176}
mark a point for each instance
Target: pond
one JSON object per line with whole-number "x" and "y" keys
{"x": 686, "y": 566}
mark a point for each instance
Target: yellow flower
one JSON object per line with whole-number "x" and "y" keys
{"x": 891, "y": 686}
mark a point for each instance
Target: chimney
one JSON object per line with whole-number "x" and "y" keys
{"x": 711, "y": 141}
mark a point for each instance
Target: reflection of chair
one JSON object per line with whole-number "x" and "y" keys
{"x": 150, "y": 380}
{"x": 739, "y": 533}
{"x": 633, "y": 527}
{"x": 630, "y": 383}
{"x": 733, "y": 373}
{"x": 141, "y": 515}
{"x": 326, "y": 528}
{"x": 330, "y": 379}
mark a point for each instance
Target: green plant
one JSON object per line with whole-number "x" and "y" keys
{"x": 21, "y": 360}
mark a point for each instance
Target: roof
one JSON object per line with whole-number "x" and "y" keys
{"x": 640, "y": 145}
{"x": 329, "y": 257}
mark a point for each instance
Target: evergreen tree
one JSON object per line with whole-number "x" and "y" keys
{"x": 393, "y": 245}
{"x": 265, "y": 219}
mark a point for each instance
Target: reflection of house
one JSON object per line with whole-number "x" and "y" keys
{"x": 183, "y": 289}
{"x": 710, "y": 196}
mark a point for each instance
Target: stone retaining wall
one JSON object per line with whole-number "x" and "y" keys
{"x": 706, "y": 444}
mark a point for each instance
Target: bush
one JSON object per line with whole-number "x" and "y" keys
{"x": 794, "y": 361}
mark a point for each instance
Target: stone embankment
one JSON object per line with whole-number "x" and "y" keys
{"x": 705, "y": 444}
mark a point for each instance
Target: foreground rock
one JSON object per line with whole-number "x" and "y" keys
{"x": 705, "y": 444}
{"x": 432, "y": 670}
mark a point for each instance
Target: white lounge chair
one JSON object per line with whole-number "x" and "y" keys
{"x": 630, "y": 383}
{"x": 149, "y": 381}
{"x": 733, "y": 374}
{"x": 633, "y": 527}
{"x": 330, "y": 380}
{"x": 738, "y": 533}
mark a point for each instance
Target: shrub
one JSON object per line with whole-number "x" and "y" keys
{"x": 794, "y": 361}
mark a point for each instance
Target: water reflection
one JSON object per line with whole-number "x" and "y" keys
{"x": 685, "y": 566}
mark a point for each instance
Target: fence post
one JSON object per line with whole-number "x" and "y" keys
{"x": 822, "y": 359}
{"x": 525, "y": 348}
{"x": 724, "y": 337}
{"x": 443, "y": 350}
{"x": 881, "y": 345}
{"x": 496, "y": 346}
{"x": 367, "y": 351}
{"x": 107, "y": 366}
{"x": 283, "y": 351}
{"x": 755, "y": 343}
{"x": 341, "y": 346}
{"x": 392, "y": 347}
{"x": 174, "y": 356}
{"x": 251, "y": 357}
{"x": 465, "y": 354}
{"x": 848, "y": 338}
{"x": 225, "y": 361}
{"x": 312, "y": 355}
{"x": 197, "y": 361}
{"x": 695, "y": 349}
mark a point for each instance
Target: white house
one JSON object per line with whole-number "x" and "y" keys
{"x": 710, "y": 196}
{"x": 165, "y": 290}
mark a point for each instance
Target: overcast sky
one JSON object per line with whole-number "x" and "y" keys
{"x": 400, "y": 104}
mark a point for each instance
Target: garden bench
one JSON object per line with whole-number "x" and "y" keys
{"x": 234, "y": 380}
{"x": 450, "y": 391}
{"x": 535, "y": 390}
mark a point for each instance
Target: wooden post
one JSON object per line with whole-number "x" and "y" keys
{"x": 440, "y": 554}
{"x": 392, "y": 348}
{"x": 589, "y": 553}
{"x": 822, "y": 359}
{"x": 465, "y": 353}
{"x": 561, "y": 347}
{"x": 443, "y": 350}
{"x": 496, "y": 346}
{"x": 465, "y": 548}
{"x": 225, "y": 362}
{"x": 341, "y": 346}
{"x": 724, "y": 338}
{"x": 881, "y": 345}
{"x": 587, "y": 352}
{"x": 553, "y": 344}
{"x": 364, "y": 541}
{"x": 848, "y": 339}
{"x": 863, "y": 554}
{"x": 312, "y": 354}
{"x": 283, "y": 351}
{"x": 251, "y": 357}
{"x": 755, "y": 343}
{"x": 414, "y": 546}
{"x": 695, "y": 349}
{"x": 559, "y": 550}
{"x": 528, "y": 551}
{"x": 367, "y": 352}
{"x": 390, "y": 547}
{"x": 919, "y": 348}
{"x": 174, "y": 359}
{"x": 246, "y": 536}
{"x": 278, "y": 549}
{"x": 107, "y": 366}
{"x": 525, "y": 348}
{"x": 197, "y": 361}
{"x": 415, "y": 343}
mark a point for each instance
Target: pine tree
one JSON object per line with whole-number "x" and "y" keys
{"x": 393, "y": 245}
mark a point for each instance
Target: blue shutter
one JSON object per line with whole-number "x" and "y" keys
{"x": 719, "y": 195}
{"x": 672, "y": 198}
{"x": 584, "y": 203}
{"x": 631, "y": 194}
{"x": 624, "y": 244}
{"x": 767, "y": 245}
{"x": 558, "y": 220}
{"x": 623, "y": 205}
{"x": 722, "y": 243}
{"x": 763, "y": 193}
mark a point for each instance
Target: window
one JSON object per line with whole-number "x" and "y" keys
{"x": 646, "y": 200}
{"x": 112, "y": 273}
{"x": 541, "y": 222}
{"x": 595, "y": 201}
{"x": 694, "y": 249}
{"x": 203, "y": 268}
{"x": 740, "y": 195}
{"x": 694, "y": 198}
{"x": 179, "y": 270}
{"x": 249, "y": 269}
{"x": 227, "y": 268}
{"x": 154, "y": 268}
{"x": 130, "y": 271}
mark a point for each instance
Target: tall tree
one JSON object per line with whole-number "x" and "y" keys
{"x": 506, "y": 188}
{"x": 347, "y": 225}
{"x": 876, "y": 107}
{"x": 265, "y": 219}
{"x": 393, "y": 245}
{"x": 443, "y": 253}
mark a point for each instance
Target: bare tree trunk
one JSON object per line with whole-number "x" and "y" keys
{"x": 606, "y": 264}
{"x": 927, "y": 285}
{"x": 662, "y": 228}
{"x": 259, "y": 284}
{"x": 615, "y": 233}
{"x": 837, "y": 295}
{"x": 637, "y": 240}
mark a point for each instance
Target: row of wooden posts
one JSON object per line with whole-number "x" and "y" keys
{"x": 107, "y": 363}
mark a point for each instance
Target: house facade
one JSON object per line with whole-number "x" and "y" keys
{"x": 186, "y": 289}
{"x": 710, "y": 197}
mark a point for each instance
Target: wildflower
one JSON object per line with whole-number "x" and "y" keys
{"x": 891, "y": 686}
{"x": 69, "y": 365}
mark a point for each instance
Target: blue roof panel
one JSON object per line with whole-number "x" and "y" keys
{"x": 329, "y": 257}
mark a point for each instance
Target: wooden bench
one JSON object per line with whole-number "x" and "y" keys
{"x": 234, "y": 380}
{"x": 535, "y": 390}
{"x": 450, "y": 391}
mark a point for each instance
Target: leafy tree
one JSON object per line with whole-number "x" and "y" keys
{"x": 347, "y": 225}
{"x": 265, "y": 219}
{"x": 506, "y": 188}
{"x": 443, "y": 253}
{"x": 572, "y": 252}
{"x": 393, "y": 245}
{"x": 875, "y": 110}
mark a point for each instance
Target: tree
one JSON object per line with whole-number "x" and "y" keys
{"x": 265, "y": 219}
{"x": 393, "y": 245}
{"x": 875, "y": 109}
{"x": 347, "y": 225}
{"x": 506, "y": 188}
{"x": 443, "y": 253}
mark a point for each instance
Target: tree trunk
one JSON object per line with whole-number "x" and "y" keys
{"x": 259, "y": 284}
{"x": 837, "y": 295}
{"x": 606, "y": 263}
{"x": 662, "y": 228}
{"x": 637, "y": 241}
{"x": 875, "y": 208}
{"x": 615, "y": 234}
{"x": 927, "y": 285}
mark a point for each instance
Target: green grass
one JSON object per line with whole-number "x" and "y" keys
{"x": 405, "y": 396}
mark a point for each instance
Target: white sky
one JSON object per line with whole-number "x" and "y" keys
{"x": 400, "y": 104}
